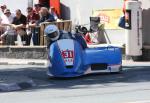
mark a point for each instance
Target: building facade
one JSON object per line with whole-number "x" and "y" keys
{"x": 79, "y": 12}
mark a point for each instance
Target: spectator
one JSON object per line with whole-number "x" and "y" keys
{"x": 124, "y": 6}
{"x": 37, "y": 8}
{"x": 9, "y": 33}
{"x": 19, "y": 23}
{"x": 3, "y": 7}
{"x": 9, "y": 15}
{"x": 53, "y": 12}
{"x": 45, "y": 16}
{"x": 32, "y": 18}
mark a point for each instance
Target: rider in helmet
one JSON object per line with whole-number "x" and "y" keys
{"x": 53, "y": 34}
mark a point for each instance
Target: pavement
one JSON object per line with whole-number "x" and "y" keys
{"x": 7, "y": 61}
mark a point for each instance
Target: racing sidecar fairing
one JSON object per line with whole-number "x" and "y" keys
{"x": 68, "y": 59}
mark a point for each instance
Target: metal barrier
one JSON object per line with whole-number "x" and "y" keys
{"x": 37, "y": 38}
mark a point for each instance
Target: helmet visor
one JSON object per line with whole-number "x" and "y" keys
{"x": 53, "y": 35}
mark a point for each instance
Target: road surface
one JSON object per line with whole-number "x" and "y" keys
{"x": 131, "y": 86}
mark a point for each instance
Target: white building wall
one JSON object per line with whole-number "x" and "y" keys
{"x": 81, "y": 10}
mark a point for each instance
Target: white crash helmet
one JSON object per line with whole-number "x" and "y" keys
{"x": 52, "y": 32}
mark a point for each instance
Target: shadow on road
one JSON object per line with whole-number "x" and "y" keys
{"x": 131, "y": 74}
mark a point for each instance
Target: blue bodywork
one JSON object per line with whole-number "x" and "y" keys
{"x": 82, "y": 59}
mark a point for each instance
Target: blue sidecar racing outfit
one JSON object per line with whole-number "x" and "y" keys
{"x": 69, "y": 56}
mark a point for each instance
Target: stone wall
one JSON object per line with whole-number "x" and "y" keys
{"x": 36, "y": 52}
{"x": 40, "y": 52}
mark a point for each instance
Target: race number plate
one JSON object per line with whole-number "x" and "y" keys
{"x": 66, "y": 47}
